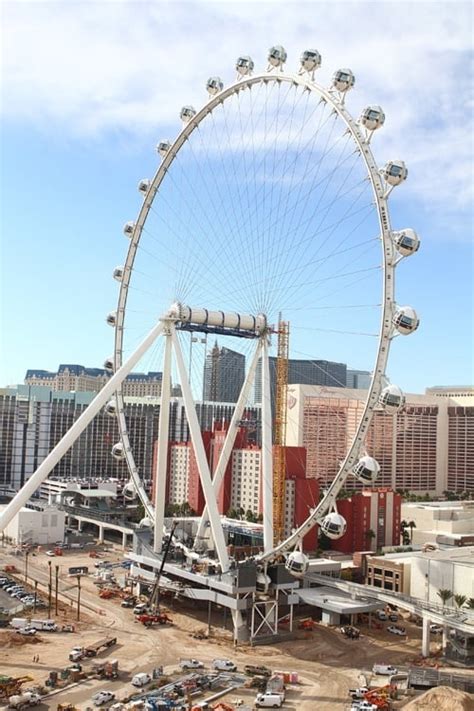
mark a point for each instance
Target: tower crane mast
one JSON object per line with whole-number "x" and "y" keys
{"x": 279, "y": 456}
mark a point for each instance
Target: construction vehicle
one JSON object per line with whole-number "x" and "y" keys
{"x": 154, "y": 601}
{"x": 91, "y": 650}
{"x": 350, "y": 631}
{"x": 9, "y": 685}
{"x": 107, "y": 670}
{"x": 154, "y": 619}
{"x": 22, "y": 701}
{"x": 253, "y": 670}
{"x": 380, "y": 697}
{"x": 307, "y": 624}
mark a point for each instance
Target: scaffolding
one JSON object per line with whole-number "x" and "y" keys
{"x": 279, "y": 458}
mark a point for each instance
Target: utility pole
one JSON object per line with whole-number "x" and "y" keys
{"x": 78, "y": 598}
{"x": 56, "y": 592}
{"x": 26, "y": 565}
{"x": 50, "y": 588}
{"x": 36, "y": 595}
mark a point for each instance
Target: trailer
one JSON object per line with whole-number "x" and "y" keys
{"x": 93, "y": 649}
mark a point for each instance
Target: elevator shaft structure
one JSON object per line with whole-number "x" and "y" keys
{"x": 279, "y": 457}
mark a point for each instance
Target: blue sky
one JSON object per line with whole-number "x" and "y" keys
{"x": 88, "y": 88}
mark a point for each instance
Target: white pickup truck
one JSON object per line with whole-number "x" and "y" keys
{"x": 191, "y": 664}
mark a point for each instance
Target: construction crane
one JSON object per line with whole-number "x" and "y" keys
{"x": 154, "y": 601}
{"x": 279, "y": 457}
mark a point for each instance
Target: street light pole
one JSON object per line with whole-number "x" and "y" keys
{"x": 50, "y": 588}
{"x": 78, "y": 598}
{"x": 56, "y": 592}
{"x": 26, "y": 565}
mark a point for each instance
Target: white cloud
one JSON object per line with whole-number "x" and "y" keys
{"x": 85, "y": 69}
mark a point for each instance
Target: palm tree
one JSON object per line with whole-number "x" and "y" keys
{"x": 470, "y": 603}
{"x": 369, "y": 536}
{"x": 411, "y": 526}
{"x": 445, "y": 595}
{"x": 460, "y": 600}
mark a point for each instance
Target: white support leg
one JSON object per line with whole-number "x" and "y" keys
{"x": 163, "y": 444}
{"x": 200, "y": 454}
{"x": 230, "y": 438}
{"x": 267, "y": 451}
{"x": 76, "y": 430}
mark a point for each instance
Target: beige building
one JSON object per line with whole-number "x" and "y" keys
{"x": 178, "y": 472}
{"x": 423, "y": 574}
{"x": 441, "y": 522}
{"x": 77, "y": 378}
{"x": 427, "y": 447}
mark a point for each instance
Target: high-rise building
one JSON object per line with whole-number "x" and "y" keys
{"x": 358, "y": 379}
{"x": 241, "y": 488}
{"x": 71, "y": 377}
{"x": 303, "y": 372}
{"x": 33, "y": 419}
{"x": 427, "y": 447}
{"x": 373, "y": 520}
{"x": 224, "y": 375}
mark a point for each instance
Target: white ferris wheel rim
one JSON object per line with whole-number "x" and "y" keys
{"x": 379, "y": 189}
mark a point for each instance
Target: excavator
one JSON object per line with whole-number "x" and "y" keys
{"x": 9, "y": 685}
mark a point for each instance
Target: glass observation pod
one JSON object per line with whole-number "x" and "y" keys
{"x": 310, "y": 60}
{"x": 277, "y": 55}
{"x": 366, "y": 470}
{"x": 392, "y": 399}
{"x": 406, "y": 241}
{"x": 163, "y": 148}
{"x": 244, "y": 65}
{"x": 405, "y": 320}
{"x": 111, "y": 408}
{"x": 118, "y": 451}
{"x": 343, "y": 80}
{"x": 109, "y": 365}
{"x": 214, "y": 85}
{"x": 128, "y": 229}
{"x": 187, "y": 113}
{"x": 372, "y": 118}
{"x": 297, "y": 563}
{"x": 334, "y": 525}
{"x": 395, "y": 172}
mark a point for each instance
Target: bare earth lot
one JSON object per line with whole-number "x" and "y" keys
{"x": 328, "y": 664}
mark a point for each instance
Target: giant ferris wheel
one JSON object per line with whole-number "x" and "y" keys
{"x": 268, "y": 201}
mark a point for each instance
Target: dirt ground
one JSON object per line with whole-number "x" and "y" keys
{"x": 328, "y": 664}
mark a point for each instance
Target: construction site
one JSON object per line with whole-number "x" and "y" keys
{"x": 121, "y": 635}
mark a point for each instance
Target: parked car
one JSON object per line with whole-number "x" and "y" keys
{"x": 51, "y": 554}
{"x": 393, "y": 617}
{"x": 27, "y": 631}
{"x": 191, "y": 664}
{"x": 384, "y": 669}
{"x": 141, "y": 679}
{"x": 381, "y": 615}
{"x": 140, "y": 608}
{"x": 224, "y": 665}
{"x": 103, "y": 697}
{"x": 401, "y": 631}
{"x": 269, "y": 700}
{"x": 436, "y": 629}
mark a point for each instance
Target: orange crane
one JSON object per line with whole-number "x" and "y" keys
{"x": 279, "y": 456}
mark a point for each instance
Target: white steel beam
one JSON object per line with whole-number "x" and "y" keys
{"x": 200, "y": 454}
{"x": 267, "y": 451}
{"x": 230, "y": 437}
{"x": 163, "y": 445}
{"x": 76, "y": 430}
